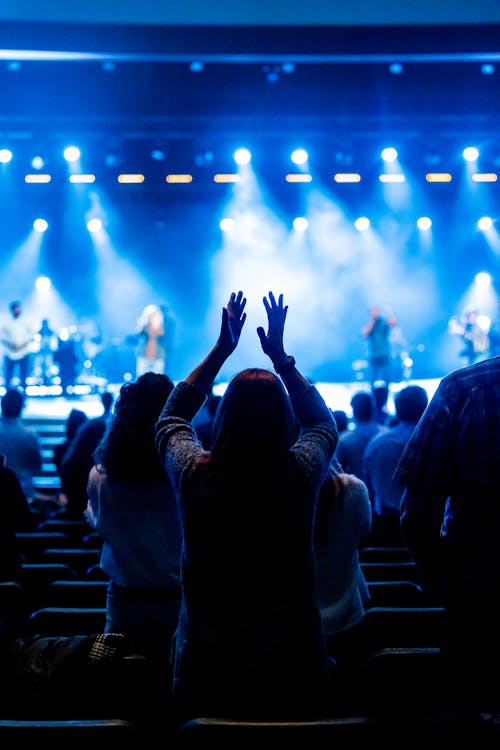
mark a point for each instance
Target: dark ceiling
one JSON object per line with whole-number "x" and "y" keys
{"x": 136, "y": 82}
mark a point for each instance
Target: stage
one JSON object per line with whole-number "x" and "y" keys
{"x": 46, "y": 406}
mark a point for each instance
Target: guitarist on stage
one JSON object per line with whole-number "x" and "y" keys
{"x": 16, "y": 334}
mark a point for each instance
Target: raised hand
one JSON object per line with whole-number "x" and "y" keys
{"x": 272, "y": 342}
{"x": 233, "y": 320}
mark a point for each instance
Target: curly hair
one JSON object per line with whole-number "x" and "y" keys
{"x": 127, "y": 450}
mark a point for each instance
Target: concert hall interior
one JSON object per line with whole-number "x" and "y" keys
{"x": 370, "y": 179}
{"x": 249, "y": 374}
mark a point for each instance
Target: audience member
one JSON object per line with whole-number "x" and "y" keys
{"x": 343, "y": 519}
{"x": 19, "y": 442}
{"x": 78, "y": 460}
{"x": 380, "y": 395}
{"x": 14, "y": 506}
{"x": 341, "y": 420}
{"x": 75, "y": 418}
{"x": 451, "y": 522}
{"x": 204, "y": 419}
{"x": 16, "y": 515}
{"x": 352, "y": 443}
{"x": 107, "y": 401}
{"x": 133, "y": 508}
{"x": 249, "y": 641}
{"x": 381, "y": 456}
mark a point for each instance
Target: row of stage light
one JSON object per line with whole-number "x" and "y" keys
{"x": 300, "y": 224}
{"x": 243, "y": 156}
{"x": 305, "y": 177}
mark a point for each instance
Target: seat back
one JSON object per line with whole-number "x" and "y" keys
{"x": 401, "y": 627}
{"x": 79, "y": 558}
{"x": 75, "y": 530}
{"x": 403, "y": 679}
{"x": 228, "y": 734}
{"x": 76, "y": 593}
{"x": 391, "y": 571}
{"x": 35, "y": 577}
{"x": 395, "y": 594}
{"x": 64, "y": 621}
{"x": 98, "y": 734}
{"x": 32, "y": 543}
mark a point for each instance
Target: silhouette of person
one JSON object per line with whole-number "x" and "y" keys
{"x": 17, "y": 334}
{"x": 377, "y": 334}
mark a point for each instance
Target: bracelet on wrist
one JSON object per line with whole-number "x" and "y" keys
{"x": 286, "y": 367}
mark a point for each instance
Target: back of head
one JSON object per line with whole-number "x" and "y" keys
{"x": 107, "y": 399}
{"x": 341, "y": 419}
{"x": 12, "y": 403}
{"x": 410, "y": 403}
{"x": 362, "y": 406}
{"x": 254, "y": 417}
{"x": 127, "y": 449}
{"x": 380, "y": 395}
{"x": 76, "y": 417}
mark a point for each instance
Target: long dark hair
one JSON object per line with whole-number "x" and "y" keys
{"x": 254, "y": 419}
{"x": 127, "y": 449}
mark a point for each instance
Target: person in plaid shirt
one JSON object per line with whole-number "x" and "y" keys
{"x": 450, "y": 520}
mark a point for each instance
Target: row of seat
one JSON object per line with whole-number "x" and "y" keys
{"x": 73, "y": 606}
{"x": 442, "y": 729}
{"x": 402, "y": 701}
{"x": 62, "y": 573}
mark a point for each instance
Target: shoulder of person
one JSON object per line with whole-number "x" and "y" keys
{"x": 352, "y": 481}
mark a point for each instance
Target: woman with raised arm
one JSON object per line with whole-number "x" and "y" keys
{"x": 249, "y": 641}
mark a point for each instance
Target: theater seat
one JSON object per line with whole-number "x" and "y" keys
{"x": 67, "y": 621}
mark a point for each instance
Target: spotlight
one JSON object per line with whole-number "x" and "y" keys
{"x": 487, "y": 69}
{"x": 40, "y": 225}
{"x": 71, "y": 153}
{"x": 227, "y": 224}
{"x": 424, "y": 223}
{"x": 300, "y": 224}
{"x": 43, "y": 283}
{"x": 300, "y": 156}
{"x": 242, "y": 156}
{"x": 157, "y": 154}
{"x": 362, "y": 223}
{"x": 196, "y": 66}
{"x": 483, "y": 279}
{"x": 94, "y": 225}
{"x": 5, "y": 155}
{"x": 470, "y": 153}
{"x": 395, "y": 68}
{"x": 203, "y": 158}
{"x": 272, "y": 73}
{"x": 112, "y": 159}
{"x": 389, "y": 154}
{"x": 485, "y": 223}
{"x": 37, "y": 162}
